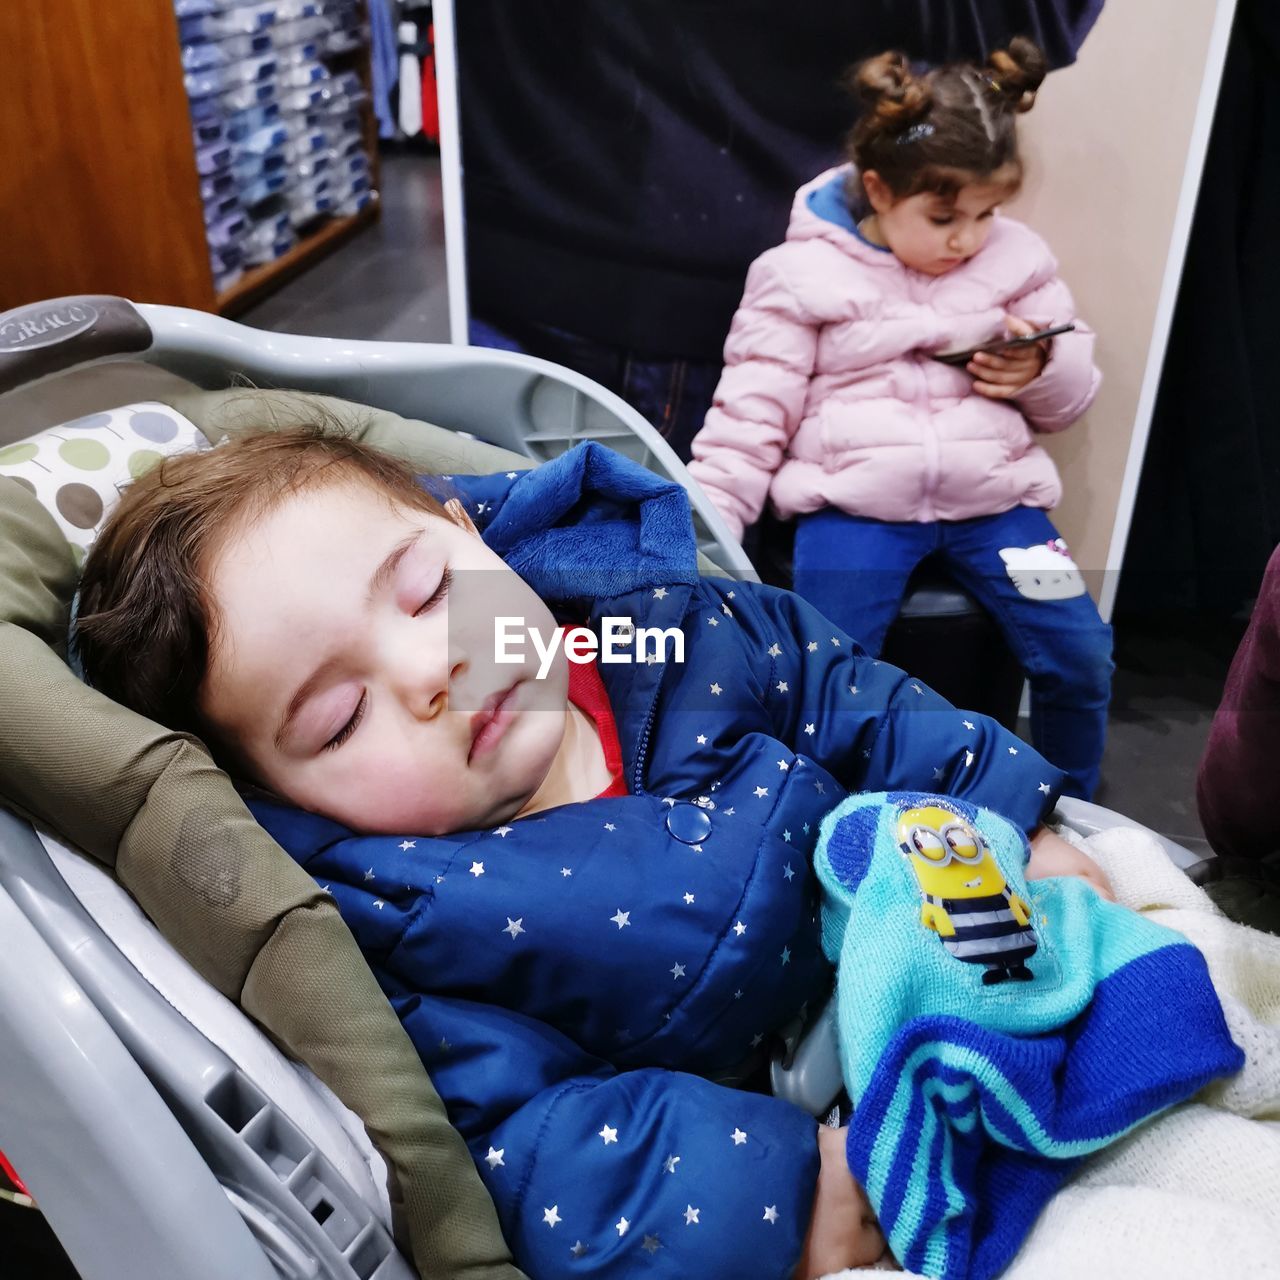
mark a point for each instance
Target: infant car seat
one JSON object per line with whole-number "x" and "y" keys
{"x": 158, "y": 1130}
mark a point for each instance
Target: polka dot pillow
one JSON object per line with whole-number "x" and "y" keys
{"x": 78, "y": 469}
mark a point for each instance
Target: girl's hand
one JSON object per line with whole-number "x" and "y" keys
{"x": 843, "y": 1231}
{"x": 1000, "y": 375}
{"x": 1051, "y": 855}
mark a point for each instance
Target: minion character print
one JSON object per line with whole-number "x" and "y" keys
{"x": 966, "y": 899}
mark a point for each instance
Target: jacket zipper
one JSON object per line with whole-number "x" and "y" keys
{"x": 929, "y": 437}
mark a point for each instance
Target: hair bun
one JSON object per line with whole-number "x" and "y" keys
{"x": 1017, "y": 72}
{"x": 894, "y": 96}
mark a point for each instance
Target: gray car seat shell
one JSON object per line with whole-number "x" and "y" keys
{"x": 151, "y": 1151}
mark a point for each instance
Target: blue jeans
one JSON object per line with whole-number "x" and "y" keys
{"x": 674, "y": 395}
{"x": 855, "y": 571}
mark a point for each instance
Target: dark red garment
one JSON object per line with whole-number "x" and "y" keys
{"x": 1238, "y": 786}
{"x": 587, "y": 693}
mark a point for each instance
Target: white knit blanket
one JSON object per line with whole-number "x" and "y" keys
{"x": 1195, "y": 1193}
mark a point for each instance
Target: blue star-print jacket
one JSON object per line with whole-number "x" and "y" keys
{"x": 571, "y": 979}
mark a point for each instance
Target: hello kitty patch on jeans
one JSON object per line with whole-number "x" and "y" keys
{"x": 1045, "y": 571}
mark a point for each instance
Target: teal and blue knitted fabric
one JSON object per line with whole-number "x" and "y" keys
{"x": 993, "y": 1032}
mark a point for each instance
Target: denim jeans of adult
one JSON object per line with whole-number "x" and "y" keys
{"x": 672, "y": 394}
{"x": 856, "y": 570}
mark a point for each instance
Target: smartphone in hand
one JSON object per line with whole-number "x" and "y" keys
{"x": 962, "y": 358}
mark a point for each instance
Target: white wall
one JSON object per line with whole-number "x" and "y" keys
{"x": 1114, "y": 148}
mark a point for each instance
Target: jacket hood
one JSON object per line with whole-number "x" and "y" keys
{"x": 588, "y": 525}
{"x": 821, "y": 211}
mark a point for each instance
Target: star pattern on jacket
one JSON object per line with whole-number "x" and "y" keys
{"x": 494, "y": 1158}
{"x": 608, "y": 1134}
{"x": 691, "y": 1218}
{"x": 669, "y": 1164}
{"x": 514, "y": 927}
{"x": 552, "y": 1216}
{"x": 771, "y": 1213}
{"x": 621, "y": 918}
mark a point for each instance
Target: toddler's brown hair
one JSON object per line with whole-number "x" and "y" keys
{"x": 938, "y": 130}
{"x": 145, "y": 626}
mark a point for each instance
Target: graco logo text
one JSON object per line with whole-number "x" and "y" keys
{"x": 42, "y": 325}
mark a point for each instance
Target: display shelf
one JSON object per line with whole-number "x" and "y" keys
{"x": 259, "y": 281}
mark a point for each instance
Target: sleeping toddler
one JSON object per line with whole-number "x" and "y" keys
{"x": 585, "y": 886}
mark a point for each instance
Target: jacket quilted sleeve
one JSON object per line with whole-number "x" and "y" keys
{"x": 769, "y": 359}
{"x": 597, "y": 1172}
{"x": 602, "y": 1173}
{"x": 1070, "y": 380}
{"x": 874, "y": 727}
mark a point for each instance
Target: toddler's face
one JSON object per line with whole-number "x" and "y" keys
{"x": 934, "y": 234}
{"x": 352, "y": 665}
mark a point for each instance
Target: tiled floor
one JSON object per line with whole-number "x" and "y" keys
{"x": 389, "y": 283}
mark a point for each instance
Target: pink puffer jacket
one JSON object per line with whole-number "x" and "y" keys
{"x": 829, "y": 397}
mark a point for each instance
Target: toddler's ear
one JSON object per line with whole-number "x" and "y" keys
{"x": 458, "y": 514}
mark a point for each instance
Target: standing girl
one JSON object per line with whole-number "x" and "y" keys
{"x": 834, "y": 407}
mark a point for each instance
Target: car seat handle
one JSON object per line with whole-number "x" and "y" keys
{"x": 45, "y": 338}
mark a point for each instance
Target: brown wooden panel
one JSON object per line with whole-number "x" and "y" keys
{"x": 98, "y": 190}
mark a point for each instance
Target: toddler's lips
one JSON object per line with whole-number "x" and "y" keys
{"x": 490, "y": 723}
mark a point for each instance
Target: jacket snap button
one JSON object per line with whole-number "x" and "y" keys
{"x": 688, "y": 823}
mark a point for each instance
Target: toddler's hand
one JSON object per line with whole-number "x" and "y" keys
{"x": 1000, "y": 375}
{"x": 1051, "y": 855}
{"x": 843, "y": 1231}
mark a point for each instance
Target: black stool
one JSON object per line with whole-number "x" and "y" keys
{"x": 942, "y": 634}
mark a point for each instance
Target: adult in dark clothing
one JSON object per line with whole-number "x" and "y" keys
{"x": 624, "y": 162}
